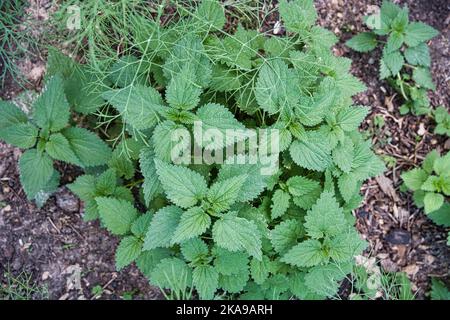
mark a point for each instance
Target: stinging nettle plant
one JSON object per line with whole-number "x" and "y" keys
{"x": 226, "y": 230}
{"x": 406, "y": 60}
{"x": 431, "y": 187}
{"x": 47, "y": 136}
{"x": 442, "y": 118}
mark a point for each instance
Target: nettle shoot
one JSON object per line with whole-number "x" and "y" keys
{"x": 431, "y": 187}
{"x": 406, "y": 60}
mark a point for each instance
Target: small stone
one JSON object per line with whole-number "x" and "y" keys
{"x": 45, "y": 275}
{"x": 388, "y": 265}
{"x": 398, "y": 236}
{"x": 421, "y": 130}
{"x": 277, "y": 28}
{"x": 411, "y": 270}
{"x": 67, "y": 202}
{"x": 447, "y": 144}
{"x": 363, "y": 214}
{"x": 7, "y": 208}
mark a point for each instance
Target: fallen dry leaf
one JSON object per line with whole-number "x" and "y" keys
{"x": 387, "y": 187}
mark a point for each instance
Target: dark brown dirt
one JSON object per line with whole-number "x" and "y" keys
{"x": 70, "y": 256}
{"x": 53, "y": 243}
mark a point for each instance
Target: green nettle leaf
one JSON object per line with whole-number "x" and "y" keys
{"x": 128, "y": 70}
{"x": 22, "y": 135}
{"x": 395, "y": 41}
{"x": 297, "y": 15}
{"x": 363, "y": 42}
{"x": 234, "y": 283}
{"x": 163, "y": 144}
{"x": 442, "y": 165}
{"x": 116, "y": 215}
{"x": 194, "y": 249}
{"x": 84, "y": 187}
{"x": 148, "y": 260}
{"x": 275, "y": 89}
{"x": 151, "y": 184}
{"x": 162, "y": 227}
{"x": 306, "y": 254}
{"x": 394, "y": 61}
{"x": 417, "y": 32}
{"x": 401, "y": 20}
{"x": 324, "y": 280}
{"x": 121, "y": 163}
{"x": 58, "y": 147}
{"x": 384, "y": 70}
{"x": 188, "y": 52}
{"x": 347, "y": 184}
{"x": 345, "y": 246}
{"x": 321, "y": 38}
{"x": 350, "y": 118}
{"x": 140, "y": 225}
{"x": 87, "y": 146}
{"x": 431, "y": 184}
{"x": 414, "y": 178}
{"x": 428, "y": 162}
{"x": 306, "y": 200}
{"x": 389, "y": 11}
{"x": 139, "y": 105}
{"x": 173, "y": 274}
{"x": 312, "y": 153}
{"x": 225, "y": 79}
{"x": 285, "y": 235}
{"x": 299, "y": 288}
{"x": 422, "y": 77}
{"x": 206, "y": 281}
{"x": 433, "y": 201}
{"x": 419, "y": 55}
{"x": 212, "y": 13}
{"x": 182, "y": 92}
{"x": 280, "y": 203}
{"x": 253, "y": 185}
{"x": 325, "y": 218}
{"x": 343, "y": 155}
{"x": 128, "y": 250}
{"x": 216, "y": 117}
{"x": 235, "y": 234}
{"x": 228, "y": 262}
{"x": 52, "y": 185}
{"x": 36, "y": 170}
{"x": 439, "y": 290}
{"x": 260, "y": 269}
{"x": 299, "y": 186}
{"x": 183, "y": 186}
{"x": 236, "y": 51}
{"x": 193, "y": 222}
{"x": 51, "y": 109}
{"x": 441, "y": 216}
{"x": 223, "y": 194}
{"x": 84, "y": 90}
{"x": 10, "y": 115}
{"x": 106, "y": 182}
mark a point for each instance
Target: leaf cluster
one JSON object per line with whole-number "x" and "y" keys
{"x": 405, "y": 61}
